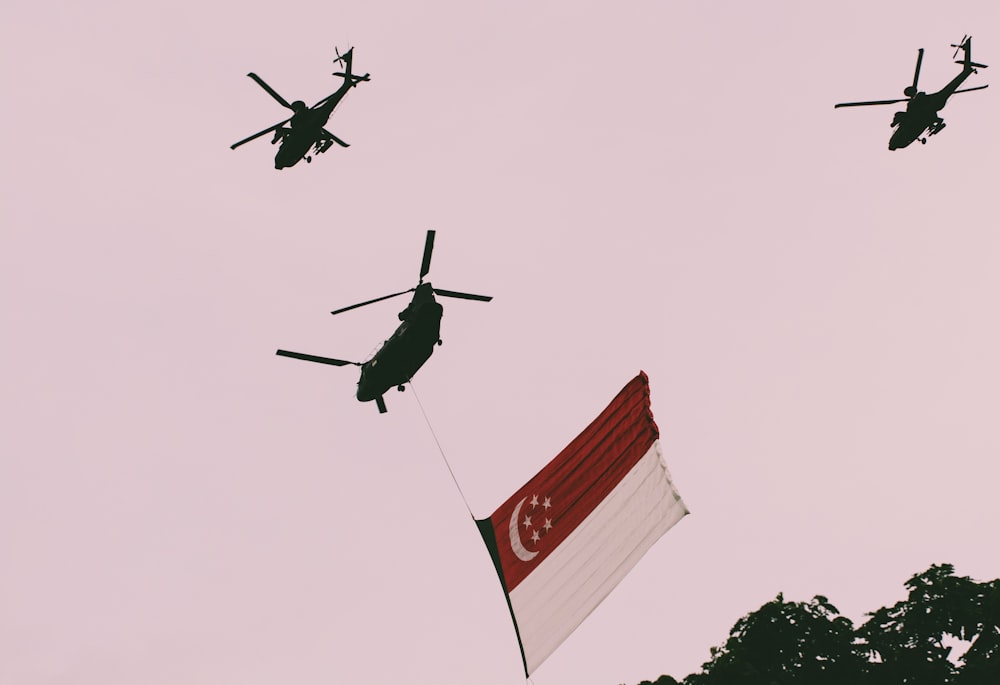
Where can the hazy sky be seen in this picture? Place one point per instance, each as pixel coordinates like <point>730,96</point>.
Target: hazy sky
<point>642,185</point>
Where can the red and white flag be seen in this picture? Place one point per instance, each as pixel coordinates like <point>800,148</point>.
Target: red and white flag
<point>563,541</point>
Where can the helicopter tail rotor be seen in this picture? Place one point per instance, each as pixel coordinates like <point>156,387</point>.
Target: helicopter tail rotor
<point>345,58</point>
<point>961,45</point>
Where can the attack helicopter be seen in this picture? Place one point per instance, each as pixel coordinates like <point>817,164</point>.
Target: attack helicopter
<point>307,128</point>
<point>921,113</point>
<point>406,350</point>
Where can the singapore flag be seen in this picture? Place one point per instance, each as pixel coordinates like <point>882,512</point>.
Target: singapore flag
<point>563,541</point>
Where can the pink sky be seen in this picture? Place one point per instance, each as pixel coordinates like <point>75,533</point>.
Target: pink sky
<point>654,185</point>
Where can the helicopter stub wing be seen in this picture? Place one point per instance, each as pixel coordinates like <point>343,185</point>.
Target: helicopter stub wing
<point>335,139</point>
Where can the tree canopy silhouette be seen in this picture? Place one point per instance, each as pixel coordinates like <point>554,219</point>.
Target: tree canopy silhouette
<point>910,643</point>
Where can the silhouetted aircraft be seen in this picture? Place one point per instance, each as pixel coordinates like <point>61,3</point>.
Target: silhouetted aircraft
<point>921,113</point>
<point>402,355</point>
<point>307,123</point>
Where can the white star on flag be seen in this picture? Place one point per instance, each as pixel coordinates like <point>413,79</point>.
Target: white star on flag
<point>622,501</point>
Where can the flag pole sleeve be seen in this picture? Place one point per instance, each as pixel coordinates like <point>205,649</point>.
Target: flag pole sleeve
<point>489,537</point>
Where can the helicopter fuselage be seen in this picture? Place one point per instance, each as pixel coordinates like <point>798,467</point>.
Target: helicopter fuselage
<point>921,113</point>
<point>919,116</point>
<point>406,350</point>
<point>307,130</point>
<point>293,149</point>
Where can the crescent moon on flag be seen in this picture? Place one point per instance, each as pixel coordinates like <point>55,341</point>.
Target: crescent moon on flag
<point>515,537</point>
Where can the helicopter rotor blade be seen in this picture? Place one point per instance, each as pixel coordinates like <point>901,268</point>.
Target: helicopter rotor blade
<point>259,134</point>
<point>916,72</point>
<point>870,102</point>
<point>462,296</point>
<point>966,90</point>
<point>377,299</point>
<point>270,91</point>
<point>425,264</point>
<point>314,358</point>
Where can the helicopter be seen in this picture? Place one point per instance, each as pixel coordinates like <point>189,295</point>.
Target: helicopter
<point>412,343</point>
<point>922,109</point>
<point>307,123</point>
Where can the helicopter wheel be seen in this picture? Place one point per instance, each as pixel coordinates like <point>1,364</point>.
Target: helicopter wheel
<point>440,342</point>
<point>309,160</point>
<point>923,141</point>
<point>401,388</point>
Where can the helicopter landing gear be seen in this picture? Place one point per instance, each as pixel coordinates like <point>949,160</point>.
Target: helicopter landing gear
<point>401,388</point>
<point>440,342</point>
<point>923,141</point>
<point>309,159</point>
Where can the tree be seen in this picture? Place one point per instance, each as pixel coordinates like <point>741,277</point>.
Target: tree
<point>785,643</point>
<point>810,643</point>
<point>904,643</point>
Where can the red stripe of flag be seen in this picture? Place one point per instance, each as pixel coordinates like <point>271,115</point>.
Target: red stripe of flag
<point>571,486</point>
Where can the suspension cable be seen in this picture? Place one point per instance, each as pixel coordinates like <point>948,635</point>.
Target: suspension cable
<point>441,450</point>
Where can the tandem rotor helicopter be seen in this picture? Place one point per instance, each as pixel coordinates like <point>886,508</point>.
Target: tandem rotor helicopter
<point>406,350</point>
<point>922,109</point>
<point>307,123</point>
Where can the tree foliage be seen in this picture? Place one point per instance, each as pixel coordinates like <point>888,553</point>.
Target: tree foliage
<point>909,643</point>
